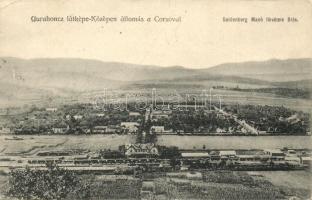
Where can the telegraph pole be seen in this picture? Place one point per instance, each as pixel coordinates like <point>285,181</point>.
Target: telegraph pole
<point>220,102</point>
<point>210,98</point>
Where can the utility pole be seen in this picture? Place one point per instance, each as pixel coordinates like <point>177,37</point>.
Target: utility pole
<point>210,98</point>
<point>105,99</point>
<point>220,102</point>
<point>126,106</point>
<point>154,97</point>
<point>204,100</point>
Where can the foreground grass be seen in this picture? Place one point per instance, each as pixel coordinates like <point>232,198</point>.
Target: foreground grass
<point>225,185</point>
<point>208,185</point>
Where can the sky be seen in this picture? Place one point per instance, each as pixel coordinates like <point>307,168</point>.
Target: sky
<point>200,40</point>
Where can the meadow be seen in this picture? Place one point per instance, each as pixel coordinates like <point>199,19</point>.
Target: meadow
<point>31,144</point>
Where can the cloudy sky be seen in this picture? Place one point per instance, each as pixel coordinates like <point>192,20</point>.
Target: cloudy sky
<point>201,39</point>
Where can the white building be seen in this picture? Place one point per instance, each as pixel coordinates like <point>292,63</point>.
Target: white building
<point>141,149</point>
<point>99,129</point>
<point>60,129</point>
<point>51,109</point>
<point>100,114</point>
<point>132,127</point>
<point>306,161</point>
<point>159,114</point>
<point>195,155</point>
<point>274,152</point>
<point>158,129</point>
<point>77,117</point>
<point>134,114</point>
<point>227,154</point>
<point>274,155</point>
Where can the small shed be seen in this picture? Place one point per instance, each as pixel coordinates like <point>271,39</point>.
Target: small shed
<point>195,155</point>
<point>227,153</point>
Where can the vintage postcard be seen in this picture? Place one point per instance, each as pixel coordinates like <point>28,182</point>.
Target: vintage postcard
<point>165,99</point>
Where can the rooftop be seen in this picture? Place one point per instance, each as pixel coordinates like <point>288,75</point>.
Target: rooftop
<point>227,153</point>
<point>195,154</point>
<point>273,150</point>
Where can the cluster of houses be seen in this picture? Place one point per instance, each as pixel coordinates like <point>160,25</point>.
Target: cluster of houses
<point>126,127</point>
<point>123,127</point>
<point>129,123</point>
<point>54,120</point>
<point>155,115</point>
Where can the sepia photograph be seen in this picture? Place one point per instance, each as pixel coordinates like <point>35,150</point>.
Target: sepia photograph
<point>155,100</point>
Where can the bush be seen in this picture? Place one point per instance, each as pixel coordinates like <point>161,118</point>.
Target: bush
<point>53,183</point>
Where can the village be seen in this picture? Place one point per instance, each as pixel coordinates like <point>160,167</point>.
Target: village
<point>168,118</point>
<point>136,168</point>
<point>146,125</point>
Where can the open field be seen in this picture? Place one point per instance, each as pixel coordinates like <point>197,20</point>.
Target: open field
<point>35,143</point>
<point>232,185</point>
<point>4,179</point>
<point>227,96</point>
<point>303,179</point>
<point>255,98</point>
<point>235,142</point>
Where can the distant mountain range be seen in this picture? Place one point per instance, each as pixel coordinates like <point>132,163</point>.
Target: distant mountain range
<point>270,70</point>
<point>24,79</point>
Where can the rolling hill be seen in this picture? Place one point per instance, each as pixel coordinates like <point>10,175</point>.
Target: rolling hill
<point>270,70</point>
<point>34,78</point>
